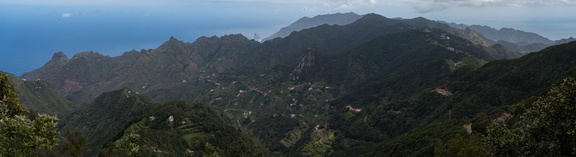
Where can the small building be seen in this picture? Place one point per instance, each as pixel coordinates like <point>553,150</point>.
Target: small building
<point>353,109</point>
<point>443,91</point>
<point>468,128</point>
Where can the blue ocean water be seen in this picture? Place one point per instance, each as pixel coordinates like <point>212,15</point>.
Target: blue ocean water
<point>30,35</point>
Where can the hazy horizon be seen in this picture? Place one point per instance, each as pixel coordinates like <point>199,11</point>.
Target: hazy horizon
<point>33,30</point>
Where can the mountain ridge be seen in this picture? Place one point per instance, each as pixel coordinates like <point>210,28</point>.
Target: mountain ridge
<point>307,22</point>
<point>513,39</point>
<point>388,71</point>
<point>171,128</point>
<point>38,96</point>
<point>477,97</point>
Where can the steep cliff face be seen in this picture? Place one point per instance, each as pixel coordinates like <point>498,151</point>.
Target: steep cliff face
<point>305,64</point>
<point>37,95</point>
<point>511,35</point>
<point>298,57</point>
<point>300,85</point>
<point>512,39</point>
<point>67,76</point>
<point>86,75</point>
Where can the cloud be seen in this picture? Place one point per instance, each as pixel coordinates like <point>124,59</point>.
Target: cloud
<point>96,2</point>
<point>315,5</point>
<point>66,15</point>
<point>357,4</point>
<point>312,5</point>
<point>340,5</point>
<point>267,1</point>
<point>424,6</point>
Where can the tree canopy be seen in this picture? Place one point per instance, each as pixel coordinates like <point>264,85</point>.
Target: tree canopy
<point>23,133</point>
<point>547,128</point>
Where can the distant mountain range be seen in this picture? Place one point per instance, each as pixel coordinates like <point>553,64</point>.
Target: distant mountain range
<point>86,75</point>
<point>374,86</point>
<point>307,22</point>
<point>506,34</point>
<point>40,96</point>
<point>512,39</point>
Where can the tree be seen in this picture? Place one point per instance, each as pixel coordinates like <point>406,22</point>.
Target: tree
<point>23,133</point>
<point>547,128</point>
<point>469,146</point>
<point>74,144</point>
<point>9,98</point>
<point>129,145</point>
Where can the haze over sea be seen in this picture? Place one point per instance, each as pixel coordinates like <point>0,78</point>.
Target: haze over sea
<point>32,30</point>
<point>31,35</point>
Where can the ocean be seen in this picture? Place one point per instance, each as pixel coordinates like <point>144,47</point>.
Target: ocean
<point>30,35</point>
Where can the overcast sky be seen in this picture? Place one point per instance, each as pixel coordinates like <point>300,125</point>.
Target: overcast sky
<point>32,30</point>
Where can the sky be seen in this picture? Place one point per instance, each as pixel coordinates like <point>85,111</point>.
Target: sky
<point>31,31</point>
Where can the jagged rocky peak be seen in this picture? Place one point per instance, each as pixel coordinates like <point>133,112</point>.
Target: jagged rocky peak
<point>205,38</point>
<point>256,37</point>
<point>136,52</point>
<point>374,19</point>
<point>171,41</point>
<point>567,40</point>
<point>145,50</point>
<point>132,53</point>
<point>59,55</point>
<point>206,41</point>
<point>87,54</point>
<point>225,37</point>
<point>58,58</point>
<point>234,36</point>
<point>218,41</point>
<point>234,39</point>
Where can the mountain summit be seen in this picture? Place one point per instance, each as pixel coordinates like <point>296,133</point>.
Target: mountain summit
<point>341,90</point>
<point>307,22</point>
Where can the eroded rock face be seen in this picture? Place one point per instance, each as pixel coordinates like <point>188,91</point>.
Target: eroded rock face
<point>87,74</point>
<point>70,85</point>
<point>306,61</point>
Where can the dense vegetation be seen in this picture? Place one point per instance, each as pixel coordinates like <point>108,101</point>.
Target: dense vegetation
<point>378,86</point>
<point>37,95</point>
<point>545,129</point>
<point>478,97</point>
<point>119,121</point>
<point>23,132</point>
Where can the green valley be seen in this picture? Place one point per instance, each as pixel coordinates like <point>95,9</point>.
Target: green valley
<point>373,87</point>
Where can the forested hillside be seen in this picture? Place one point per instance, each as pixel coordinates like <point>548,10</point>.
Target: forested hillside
<point>476,97</point>
<point>374,87</point>
<point>121,121</point>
